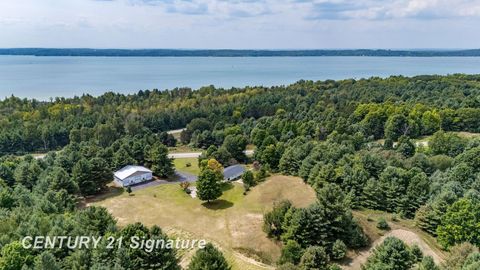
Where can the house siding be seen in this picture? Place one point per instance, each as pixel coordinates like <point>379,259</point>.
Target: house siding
<point>135,178</point>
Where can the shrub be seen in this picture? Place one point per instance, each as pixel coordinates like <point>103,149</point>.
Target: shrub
<point>315,257</point>
<point>416,253</point>
<point>184,186</point>
<point>428,264</point>
<point>339,250</point>
<point>291,253</point>
<point>382,224</point>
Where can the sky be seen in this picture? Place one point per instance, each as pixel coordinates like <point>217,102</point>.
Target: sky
<point>240,24</point>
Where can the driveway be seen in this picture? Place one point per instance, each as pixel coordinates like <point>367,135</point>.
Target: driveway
<point>185,155</point>
<point>179,177</point>
<point>197,154</point>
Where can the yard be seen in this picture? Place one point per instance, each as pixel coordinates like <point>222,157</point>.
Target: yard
<point>234,222</point>
<point>181,165</point>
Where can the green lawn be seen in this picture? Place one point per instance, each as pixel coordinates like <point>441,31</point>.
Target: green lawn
<point>181,165</point>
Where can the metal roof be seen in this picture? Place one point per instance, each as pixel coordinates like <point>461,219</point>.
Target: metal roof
<point>129,170</point>
<point>233,171</point>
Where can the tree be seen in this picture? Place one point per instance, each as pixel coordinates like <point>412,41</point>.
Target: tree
<point>291,253</point>
<point>273,221</point>
<point>392,254</point>
<point>405,146</point>
<point>208,185</point>
<point>57,178</point>
<point>339,250</point>
<point>248,179</point>
<point>396,126</point>
<point>235,145</point>
<point>460,224</point>
<point>46,261</point>
<point>446,143</point>
<point>428,264</point>
<point>122,158</point>
<point>27,173</point>
<point>382,224</point>
<point>416,253</point>
<point>458,255</point>
<point>82,176</point>
<point>208,258</point>
<point>431,122</point>
<point>322,223</point>
<point>14,256</point>
<point>158,160</point>
<point>91,176</point>
<point>314,258</point>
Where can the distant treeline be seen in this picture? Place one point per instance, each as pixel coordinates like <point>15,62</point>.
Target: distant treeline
<point>231,53</point>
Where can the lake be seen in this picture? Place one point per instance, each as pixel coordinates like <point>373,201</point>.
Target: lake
<point>45,77</point>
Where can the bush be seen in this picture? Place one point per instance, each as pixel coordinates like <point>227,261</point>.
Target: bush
<point>416,253</point>
<point>382,224</point>
<point>287,266</point>
<point>291,253</point>
<point>392,254</point>
<point>184,186</point>
<point>339,250</point>
<point>273,221</point>
<point>315,257</point>
<point>428,264</point>
<point>208,258</point>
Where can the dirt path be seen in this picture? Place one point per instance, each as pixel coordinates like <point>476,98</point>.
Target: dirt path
<point>252,261</point>
<point>409,237</point>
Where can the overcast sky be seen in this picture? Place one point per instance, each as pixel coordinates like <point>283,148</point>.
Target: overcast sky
<point>240,24</point>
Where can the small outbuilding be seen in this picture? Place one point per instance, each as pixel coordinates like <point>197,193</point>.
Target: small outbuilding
<point>233,172</point>
<point>131,175</point>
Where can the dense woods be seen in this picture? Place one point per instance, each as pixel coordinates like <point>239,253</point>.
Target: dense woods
<point>353,141</point>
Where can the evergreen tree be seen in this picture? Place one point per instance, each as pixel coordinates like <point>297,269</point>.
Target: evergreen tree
<point>158,160</point>
<point>314,258</point>
<point>208,258</point>
<point>392,254</point>
<point>122,158</point>
<point>46,261</point>
<point>291,253</point>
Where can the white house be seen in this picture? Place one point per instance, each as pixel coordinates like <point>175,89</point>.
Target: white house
<point>130,175</point>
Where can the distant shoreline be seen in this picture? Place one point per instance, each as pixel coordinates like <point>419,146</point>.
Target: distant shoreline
<point>234,53</point>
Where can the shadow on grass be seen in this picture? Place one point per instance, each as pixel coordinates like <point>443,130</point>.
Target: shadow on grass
<point>218,205</point>
<point>109,192</point>
<point>227,186</point>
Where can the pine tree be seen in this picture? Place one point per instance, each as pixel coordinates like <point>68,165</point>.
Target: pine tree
<point>208,258</point>
<point>157,158</point>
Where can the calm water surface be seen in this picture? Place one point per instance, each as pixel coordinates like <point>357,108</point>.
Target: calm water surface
<point>44,77</point>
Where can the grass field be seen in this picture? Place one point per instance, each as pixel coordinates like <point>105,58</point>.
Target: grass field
<point>234,222</point>
<point>181,165</point>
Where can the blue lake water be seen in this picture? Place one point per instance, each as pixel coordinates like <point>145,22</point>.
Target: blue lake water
<point>44,77</point>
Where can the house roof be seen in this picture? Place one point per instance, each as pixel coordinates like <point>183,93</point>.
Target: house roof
<point>129,170</point>
<point>233,171</point>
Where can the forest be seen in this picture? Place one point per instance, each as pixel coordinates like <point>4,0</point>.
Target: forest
<point>354,141</point>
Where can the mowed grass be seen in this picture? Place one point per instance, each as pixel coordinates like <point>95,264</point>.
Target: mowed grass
<point>181,165</point>
<point>234,222</point>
